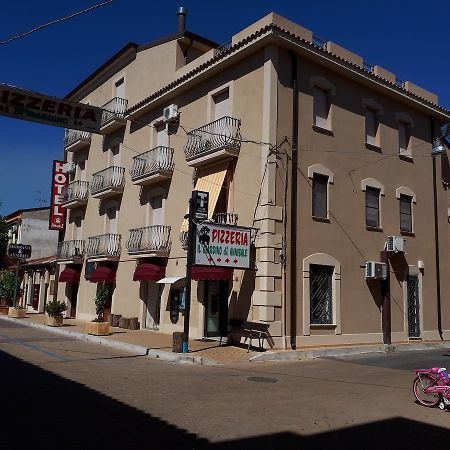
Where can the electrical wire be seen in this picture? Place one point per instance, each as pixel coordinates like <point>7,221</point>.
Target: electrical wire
<point>53,22</point>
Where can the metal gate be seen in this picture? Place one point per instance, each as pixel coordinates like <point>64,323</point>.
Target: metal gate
<point>413,307</point>
<point>321,294</point>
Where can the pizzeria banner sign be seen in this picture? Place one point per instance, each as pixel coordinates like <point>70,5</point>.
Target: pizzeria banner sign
<point>222,246</point>
<point>27,105</point>
<point>59,181</point>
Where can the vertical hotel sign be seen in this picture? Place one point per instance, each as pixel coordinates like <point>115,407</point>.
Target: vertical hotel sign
<point>57,212</point>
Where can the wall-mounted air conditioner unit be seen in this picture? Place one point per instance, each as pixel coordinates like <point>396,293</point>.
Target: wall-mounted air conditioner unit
<point>70,167</point>
<point>376,270</point>
<point>396,244</point>
<point>170,113</point>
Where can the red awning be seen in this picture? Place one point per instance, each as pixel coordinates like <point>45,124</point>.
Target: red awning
<point>149,272</point>
<point>103,274</point>
<point>69,275</point>
<point>211,273</point>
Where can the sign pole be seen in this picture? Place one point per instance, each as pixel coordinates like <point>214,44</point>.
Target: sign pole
<point>190,258</point>
<point>15,285</point>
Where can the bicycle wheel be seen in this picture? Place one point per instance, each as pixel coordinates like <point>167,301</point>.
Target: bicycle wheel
<point>419,387</point>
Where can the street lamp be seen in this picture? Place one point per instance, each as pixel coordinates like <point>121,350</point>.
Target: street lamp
<point>438,148</point>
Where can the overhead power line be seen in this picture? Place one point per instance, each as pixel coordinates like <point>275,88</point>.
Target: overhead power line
<point>53,22</point>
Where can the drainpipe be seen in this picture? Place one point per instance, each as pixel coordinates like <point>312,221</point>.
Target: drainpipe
<point>293,208</point>
<point>436,236</point>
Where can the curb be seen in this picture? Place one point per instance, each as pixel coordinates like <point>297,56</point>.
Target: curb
<point>125,346</point>
<point>306,355</point>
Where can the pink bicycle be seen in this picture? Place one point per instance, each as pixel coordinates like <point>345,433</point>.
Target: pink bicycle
<point>431,387</point>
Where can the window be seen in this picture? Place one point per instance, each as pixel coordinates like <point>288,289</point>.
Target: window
<point>372,207</point>
<point>371,127</point>
<point>321,108</point>
<point>403,138</point>
<point>406,213</point>
<point>162,137</point>
<point>115,155</point>
<point>321,294</point>
<point>221,105</point>
<point>319,196</point>
<point>119,88</point>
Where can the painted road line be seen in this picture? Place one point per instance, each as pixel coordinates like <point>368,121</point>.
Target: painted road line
<point>34,347</point>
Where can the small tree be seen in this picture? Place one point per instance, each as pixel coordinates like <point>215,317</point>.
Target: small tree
<point>3,240</point>
<point>101,300</point>
<point>7,285</point>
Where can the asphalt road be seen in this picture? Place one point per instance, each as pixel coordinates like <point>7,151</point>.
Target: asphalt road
<point>61,393</point>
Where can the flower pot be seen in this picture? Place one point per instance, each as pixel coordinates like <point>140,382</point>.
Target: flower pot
<point>17,313</point>
<point>4,310</point>
<point>97,328</point>
<point>54,321</point>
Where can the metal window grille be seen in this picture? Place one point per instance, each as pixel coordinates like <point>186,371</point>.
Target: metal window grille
<point>321,294</point>
<point>413,307</point>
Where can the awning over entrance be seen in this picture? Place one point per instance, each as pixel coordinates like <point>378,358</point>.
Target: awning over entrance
<point>103,274</point>
<point>69,275</point>
<point>148,272</point>
<point>170,280</point>
<point>200,273</point>
<point>210,180</point>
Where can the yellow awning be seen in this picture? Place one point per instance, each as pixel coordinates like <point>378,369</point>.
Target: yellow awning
<point>210,180</point>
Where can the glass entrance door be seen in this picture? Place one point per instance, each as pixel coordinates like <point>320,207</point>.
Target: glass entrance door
<point>153,305</point>
<point>216,308</point>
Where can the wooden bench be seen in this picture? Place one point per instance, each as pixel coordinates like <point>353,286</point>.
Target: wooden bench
<point>250,331</point>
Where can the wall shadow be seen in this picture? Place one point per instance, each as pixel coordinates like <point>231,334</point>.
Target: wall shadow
<point>40,409</point>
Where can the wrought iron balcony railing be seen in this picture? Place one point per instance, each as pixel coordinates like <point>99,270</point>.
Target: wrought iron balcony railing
<point>104,245</point>
<point>114,109</point>
<point>223,133</point>
<point>154,161</point>
<point>111,178</point>
<point>184,239</point>
<point>152,239</point>
<point>226,218</point>
<point>75,191</point>
<point>70,250</point>
<point>72,136</point>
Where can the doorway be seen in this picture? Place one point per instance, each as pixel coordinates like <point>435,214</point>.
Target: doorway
<point>413,306</point>
<point>216,308</point>
<point>73,299</point>
<point>152,305</point>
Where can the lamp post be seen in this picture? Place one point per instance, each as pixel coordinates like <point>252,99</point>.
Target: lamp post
<point>438,148</point>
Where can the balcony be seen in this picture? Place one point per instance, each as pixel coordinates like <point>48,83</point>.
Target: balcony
<point>152,166</point>
<point>75,139</point>
<point>105,247</point>
<point>75,194</point>
<point>113,115</point>
<point>108,182</point>
<point>71,252</point>
<point>149,241</point>
<point>215,141</point>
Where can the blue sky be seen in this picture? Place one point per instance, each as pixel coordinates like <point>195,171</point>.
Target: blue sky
<point>409,39</point>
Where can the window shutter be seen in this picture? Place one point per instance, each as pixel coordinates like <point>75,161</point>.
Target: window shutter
<point>319,198</point>
<point>321,108</point>
<point>371,127</point>
<point>403,138</point>
<point>405,213</point>
<point>372,207</point>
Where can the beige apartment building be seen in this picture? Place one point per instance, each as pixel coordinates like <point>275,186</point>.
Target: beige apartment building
<point>326,157</point>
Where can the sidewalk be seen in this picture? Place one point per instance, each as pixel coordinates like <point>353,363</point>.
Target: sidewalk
<point>208,351</point>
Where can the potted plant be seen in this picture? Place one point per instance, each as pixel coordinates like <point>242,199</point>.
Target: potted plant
<point>54,310</point>
<point>98,326</point>
<point>17,311</point>
<point>7,284</point>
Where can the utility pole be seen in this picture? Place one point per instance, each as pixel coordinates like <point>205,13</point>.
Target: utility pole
<point>190,260</point>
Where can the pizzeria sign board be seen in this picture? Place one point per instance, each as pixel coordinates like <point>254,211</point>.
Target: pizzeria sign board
<point>34,107</point>
<point>222,246</point>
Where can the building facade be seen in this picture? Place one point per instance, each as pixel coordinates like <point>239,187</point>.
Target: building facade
<point>324,155</point>
<point>30,227</point>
